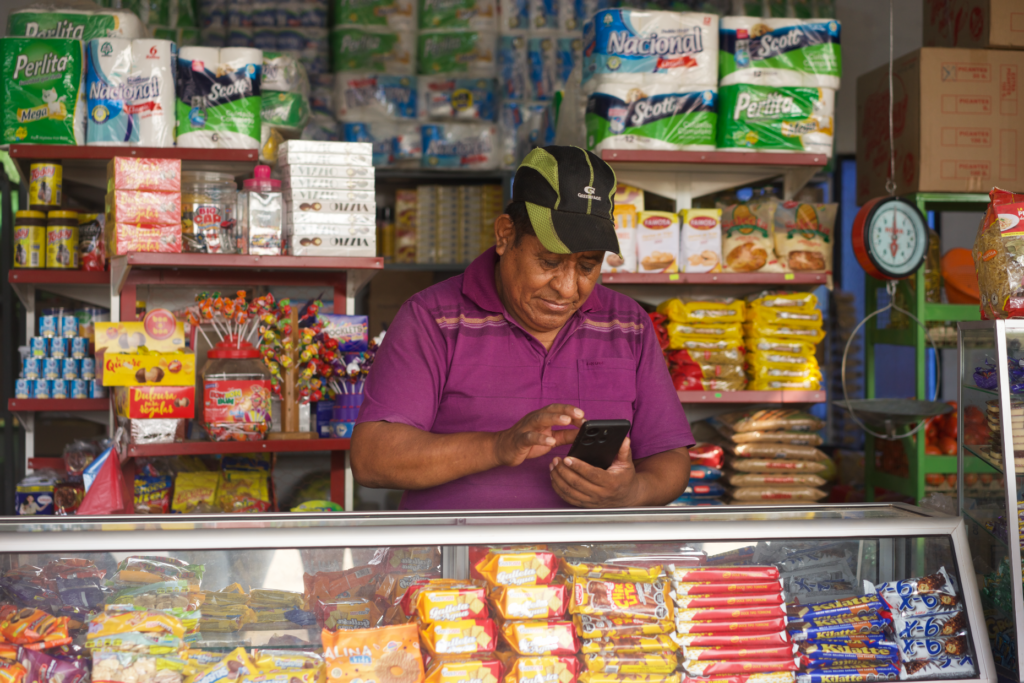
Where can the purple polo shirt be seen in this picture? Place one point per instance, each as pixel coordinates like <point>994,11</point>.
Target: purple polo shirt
<point>455,361</point>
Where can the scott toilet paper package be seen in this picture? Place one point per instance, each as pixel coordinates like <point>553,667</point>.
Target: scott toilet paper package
<point>472,15</point>
<point>464,99</point>
<point>371,97</point>
<point>780,52</point>
<point>394,15</point>
<point>656,116</point>
<point>680,47</point>
<point>391,52</point>
<point>460,145</point>
<point>219,97</point>
<point>42,88</point>
<point>765,119</point>
<point>45,21</point>
<point>471,53</point>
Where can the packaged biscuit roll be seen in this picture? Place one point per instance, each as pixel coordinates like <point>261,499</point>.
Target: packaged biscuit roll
<point>464,670</point>
<point>933,648</point>
<point>852,675</point>
<point>838,608</point>
<point>530,602</point>
<point>773,677</point>
<point>723,574</point>
<point>441,600</point>
<point>740,653</point>
<point>715,668</point>
<point>749,626</point>
<point>930,625</point>
<point>540,637</point>
<point>594,677</point>
<point>827,652</point>
<point>588,626</point>
<point>625,663</point>
<point>779,637</point>
<point>714,588</point>
<point>683,602</point>
<point>611,572</point>
<point>860,627</point>
<point>732,613</point>
<point>925,595</point>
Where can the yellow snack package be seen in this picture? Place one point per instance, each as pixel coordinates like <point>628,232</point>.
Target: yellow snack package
<point>589,626</point>
<point>518,569</point>
<point>231,667</point>
<point>266,597</point>
<point>545,669</point>
<point>463,637</point>
<point>780,371</point>
<point>346,613</point>
<point>624,663</point>
<point>316,675</point>
<point>468,670</point>
<point>777,359</point>
<point>612,572</point>
<point>595,677</point>
<point>710,330</point>
<point>630,644</point>
<point>390,654</point>
<point>621,599</point>
<point>282,660</point>
<point>243,492</point>
<point>784,331</point>
<point>718,311</point>
<point>778,316</point>
<point>448,601</point>
<point>114,623</point>
<point>540,637</point>
<point>790,301</point>
<point>530,602</point>
<point>232,595</point>
<point>785,385</point>
<point>674,310</point>
<point>195,492</point>
<point>777,345</point>
<point>699,344</point>
<point>393,586</point>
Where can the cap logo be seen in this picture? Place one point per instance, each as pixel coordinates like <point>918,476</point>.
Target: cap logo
<point>589,194</point>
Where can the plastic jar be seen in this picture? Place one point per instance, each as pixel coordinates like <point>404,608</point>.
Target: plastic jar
<point>236,393</point>
<point>208,223</point>
<point>62,240</point>
<point>29,239</point>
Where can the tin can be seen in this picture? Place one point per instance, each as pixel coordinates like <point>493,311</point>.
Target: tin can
<point>97,390</point>
<point>79,388</point>
<point>38,347</point>
<point>59,388</point>
<point>67,326</point>
<point>79,347</point>
<point>29,239</point>
<point>48,326</point>
<point>50,368</point>
<point>62,240</point>
<point>45,185</point>
<point>42,389</point>
<point>88,370</point>
<point>69,369</point>
<point>58,348</point>
<point>24,388</point>
<point>30,368</point>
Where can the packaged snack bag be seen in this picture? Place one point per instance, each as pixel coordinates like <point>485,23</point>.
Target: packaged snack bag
<point>445,600</point>
<point>621,599</point>
<point>588,626</point>
<point>611,572</point>
<point>804,235</point>
<point>548,669</point>
<point>386,655</point>
<point>999,256</point>
<point>518,569</point>
<point>540,637</point>
<point>530,602</point>
<point>463,637</point>
<point>469,670</point>
<point>747,238</point>
<point>195,492</point>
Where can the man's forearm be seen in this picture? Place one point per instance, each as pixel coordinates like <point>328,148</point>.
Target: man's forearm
<point>661,478</point>
<point>397,456</point>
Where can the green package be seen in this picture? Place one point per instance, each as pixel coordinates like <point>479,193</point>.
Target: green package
<point>662,117</point>
<point>353,49</point>
<point>456,14</point>
<point>394,14</point>
<point>468,52</point>
<point>63,25</point>
<point>764,118</point>
<point>42,87</point>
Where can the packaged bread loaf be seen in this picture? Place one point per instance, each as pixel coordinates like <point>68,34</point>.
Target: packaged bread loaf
<point>999,256</point>
<point>776,492</point>
<point>778,450</point>
<point>778,418</point>
<point>747,238</point>
<point>803,235</point>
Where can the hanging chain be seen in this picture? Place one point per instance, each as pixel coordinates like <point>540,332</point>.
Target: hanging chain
<point>890,182</point>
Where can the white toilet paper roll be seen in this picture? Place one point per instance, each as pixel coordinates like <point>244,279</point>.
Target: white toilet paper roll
<point>209,57</point>
<point>238,57</point>
<point>108,86</point>
<point>126,23</point>
<point>153,103</point>
<point>651,116</point>
<point>780,52</point>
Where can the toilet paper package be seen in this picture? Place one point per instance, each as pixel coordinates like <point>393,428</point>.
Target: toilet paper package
<point>470,53</point>
<point>46,20</point>
<point>239,13</point>
<point>569,53</point>
<point>386,52</point>
<point>215,36</point>
<point>513,67</point>
<point>513,16</point>
<point>761,118</point>
<point>394,142</point>
<point>154,104</point>
<point>681,47</point>
<point>780,52</point>
<point>264,14</point>
<point>651,116</point>
<point>571,16</point>
<point>471,15</point>
<point>284,93</point>
<point>42,87</point>
<point>542,56</point>
<point>240,36</point>
<point>294,13</point>
<point>543,15</point>
<point>218,98</point>
<point>521,127</point>
<point>108,92</point>
<point>460,145</point>
<point>264,38</point>
<point>360,96</point>
<point>464,99</point>
<point>394,15</point>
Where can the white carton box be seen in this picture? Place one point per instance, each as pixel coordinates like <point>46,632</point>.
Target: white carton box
<point>657,242</point>
<point>300,196</point>
<point>295,219</point>
<point>356,175</point>
<point>625,231</point>
<point>700,246</point>
<point>334,245</point>
<point>306,158</point>
<point>324,147</point>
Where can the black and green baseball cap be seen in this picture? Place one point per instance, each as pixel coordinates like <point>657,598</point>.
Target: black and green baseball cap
<point>569,195</point>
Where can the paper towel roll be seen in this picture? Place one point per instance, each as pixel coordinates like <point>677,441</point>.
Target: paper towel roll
<point>780,52</point>
<point>683,45</point>
<point>108,85</point>
<point>153,100</point>
<point>460,145</point>
<point>766,119</point>
<point>651,116</point>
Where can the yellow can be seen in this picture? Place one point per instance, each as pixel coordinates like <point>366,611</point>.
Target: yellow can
<point>29,239</point>
<point>45,185</point>
<point>62,240</point>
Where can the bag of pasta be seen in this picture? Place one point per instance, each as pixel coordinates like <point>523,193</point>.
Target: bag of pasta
<point>789,301</point>
<point>757,345</point>
<point>776,316</point>
<point>706,310</point>
<point>999,256</point>
<point>711,330</point>
<point>698,343</point>
<point>803,235</point>
<point>787,330</point>
<point>747,244</point>
<point>687,357</point>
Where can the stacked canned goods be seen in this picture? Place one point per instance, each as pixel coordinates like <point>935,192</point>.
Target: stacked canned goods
<point>59,363</point>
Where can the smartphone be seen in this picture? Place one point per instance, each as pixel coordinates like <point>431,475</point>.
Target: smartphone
<point>598,442</point>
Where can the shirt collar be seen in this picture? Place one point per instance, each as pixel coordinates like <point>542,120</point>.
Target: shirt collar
<point>478,286</point>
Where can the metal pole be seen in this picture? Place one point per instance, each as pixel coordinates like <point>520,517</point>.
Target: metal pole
<point>8,342</point>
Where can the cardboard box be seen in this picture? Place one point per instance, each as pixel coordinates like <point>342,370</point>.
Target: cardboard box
<point>160,331</point>
<point>143,208</point>
<point>657,242</point>
<point>137,369</point>
<point>959,123</point>
<point>700,244</point>
<point>154,175</point>
<point>973,23</point>
<point>126,237</point>
<point>155,402</point>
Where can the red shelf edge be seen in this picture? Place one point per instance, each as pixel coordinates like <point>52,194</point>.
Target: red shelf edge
<point>28,151</point>
<point>52,405</point>
<point>220,447</point>
<point>58,277</point>
<point>718,157</point>
<point>46,464</point>
<point>154,260</point>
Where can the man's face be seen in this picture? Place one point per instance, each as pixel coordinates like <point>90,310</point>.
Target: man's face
<point>541,289</point>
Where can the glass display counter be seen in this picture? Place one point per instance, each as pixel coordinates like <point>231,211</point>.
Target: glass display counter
<point>694,578</point>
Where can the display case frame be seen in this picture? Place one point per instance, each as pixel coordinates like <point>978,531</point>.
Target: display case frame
<point>1002,333</point>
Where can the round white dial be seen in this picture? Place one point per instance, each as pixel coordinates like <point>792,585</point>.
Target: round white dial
<point>897,238</point>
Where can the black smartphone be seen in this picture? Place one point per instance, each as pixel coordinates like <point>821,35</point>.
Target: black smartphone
<point>598,442</point>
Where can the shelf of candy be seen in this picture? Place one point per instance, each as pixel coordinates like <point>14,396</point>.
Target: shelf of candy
<point>781,331</point>
<point>705,487</point>
<point>703,343</point>
<point>60,364</point>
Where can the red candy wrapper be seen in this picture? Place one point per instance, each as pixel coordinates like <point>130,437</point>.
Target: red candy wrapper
<point>774,677</point>
<point>144,208</point>
<point>713,588</point>
<point>146,175</point>
<point>723,574</point>
<point>717,668</point>
<point>707,454</point>
<point>720,640</point>
<point>717,653</point>
<point>125,237</point>
<point>753,626</point>
<point>711,601</point>
<point>732,614</point>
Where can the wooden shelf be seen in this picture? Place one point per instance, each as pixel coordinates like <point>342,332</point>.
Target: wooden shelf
<point>220,447</point>
<point>768,279</point>
<point>63,405</point>
<point>751,396</point>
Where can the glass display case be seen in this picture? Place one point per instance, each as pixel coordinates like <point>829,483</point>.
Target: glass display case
<point>991,424</point>
<point>902,599</point>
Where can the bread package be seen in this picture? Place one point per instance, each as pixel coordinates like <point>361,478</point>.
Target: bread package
<point>999,256</point>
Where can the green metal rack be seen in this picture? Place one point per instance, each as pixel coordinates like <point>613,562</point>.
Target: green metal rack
<point>919,464</point>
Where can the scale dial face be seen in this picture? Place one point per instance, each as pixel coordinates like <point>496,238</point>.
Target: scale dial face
<point>892,236</point>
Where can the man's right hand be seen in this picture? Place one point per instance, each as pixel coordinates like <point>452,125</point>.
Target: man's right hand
<point>534,436</point>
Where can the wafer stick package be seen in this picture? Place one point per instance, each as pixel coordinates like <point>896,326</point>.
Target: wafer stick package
<point>611,572</point>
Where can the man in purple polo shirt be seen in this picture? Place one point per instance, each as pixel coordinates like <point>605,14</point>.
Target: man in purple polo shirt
<point>484,380</point>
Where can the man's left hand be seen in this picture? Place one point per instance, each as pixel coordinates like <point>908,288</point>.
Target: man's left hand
<point>586,486</point>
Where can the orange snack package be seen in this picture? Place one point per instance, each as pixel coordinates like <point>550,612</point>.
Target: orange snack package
<point>611,572</point>
<point>468,670</point>
<point>463,637</point>
<point>540,637</point>
<point>530,602</point>
<point>347,613</point>
<point>544,669</point>
<point>624,663</point>
<point>621,599</point>
<point>11,672</point>
<point>378,655</point>
<point>34,629</point>
<point>518,569</point>
<point>446,600</point>
<point>349,583</point>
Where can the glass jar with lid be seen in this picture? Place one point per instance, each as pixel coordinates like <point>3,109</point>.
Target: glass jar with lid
<point>208,201</point>
<point>235,392</point>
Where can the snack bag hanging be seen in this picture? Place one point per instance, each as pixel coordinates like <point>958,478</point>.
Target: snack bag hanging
<point>999,256</point>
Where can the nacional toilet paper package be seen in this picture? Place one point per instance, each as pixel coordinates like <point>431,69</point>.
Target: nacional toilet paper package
<point>219,99</point>
<point>390,52</point>
<point>46,21</point>
<point>463,99</point>
<point>154,72</point>
<point>460,145</point>
<point>651,116</point>
<point>680,47</point>
<point>513,67</point>
<point>471,15</point>
<point>394,142</point>
<point>108,96</point>
<point>470,53</point>
<point>780,52</point>
<point>360,96</point>
<point>394,15</point>
<point>760,118</point>
<point>542,56</point>
<point>42,87</point>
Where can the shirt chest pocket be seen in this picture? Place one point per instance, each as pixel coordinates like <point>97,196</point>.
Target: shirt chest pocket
<point>607,388</point>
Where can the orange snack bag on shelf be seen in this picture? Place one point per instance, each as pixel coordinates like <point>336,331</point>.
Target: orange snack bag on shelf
<point>463,637</point>
<point>446,600</point>
<point>355,582</point>
<point>35,629</point>
<point>382,655</point>
<point>543,669</point>
<point>530,602</point>
<point>540,637</point>
<point>518,569</point>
